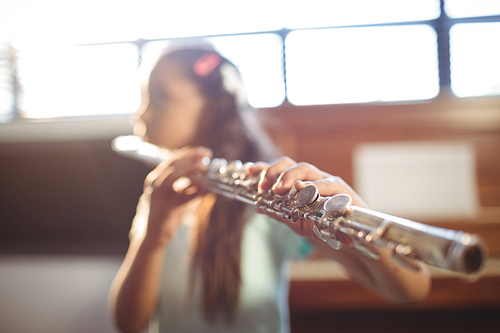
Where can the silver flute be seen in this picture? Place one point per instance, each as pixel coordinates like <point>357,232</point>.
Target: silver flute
<point>335,220</point>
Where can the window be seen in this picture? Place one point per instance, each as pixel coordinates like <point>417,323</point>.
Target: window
<point>352,65</point>
<point>186,18</point>
<point>475,54</point>
<point>471,8</point>
<point>81,58</point>
<point>79,80</point>
<point>259,59</point>
<point>299,14</point>
<point>6,98</point>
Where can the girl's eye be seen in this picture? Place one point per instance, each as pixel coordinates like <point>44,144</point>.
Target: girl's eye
<point>158,99</point>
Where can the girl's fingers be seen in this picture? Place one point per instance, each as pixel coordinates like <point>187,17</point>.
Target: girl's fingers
<point>256,168</point>
<point>331,186</point>
<point>326,186</point>
<point>271,175</point>
<point>297,172</point>
<point>192,155</point>
<point>185,164</point>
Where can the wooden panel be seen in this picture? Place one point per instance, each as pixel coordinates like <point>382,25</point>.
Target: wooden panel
<point>346,295</point>
<point>326,136</point>
<point>67,197</point>
<point>481,319</point>
<point>454,305</point>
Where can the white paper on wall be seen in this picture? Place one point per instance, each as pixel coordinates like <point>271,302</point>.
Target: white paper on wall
<point>421,179</point>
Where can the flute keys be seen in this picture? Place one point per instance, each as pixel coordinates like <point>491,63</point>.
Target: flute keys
<point>334,244</point>
<point>327,237</point>
<point>366,250</point>
<point>338,205</point>
<point>318,233</point>
<point>307,196</point>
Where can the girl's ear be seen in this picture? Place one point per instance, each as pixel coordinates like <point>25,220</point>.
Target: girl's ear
<point>226,103</point>
<point>207,122</point>
<point>220,110</point>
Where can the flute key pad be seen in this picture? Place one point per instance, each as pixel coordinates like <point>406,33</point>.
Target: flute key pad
<point>307,196</point>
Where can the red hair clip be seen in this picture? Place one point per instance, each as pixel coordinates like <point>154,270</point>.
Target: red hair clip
<point>207,63</point>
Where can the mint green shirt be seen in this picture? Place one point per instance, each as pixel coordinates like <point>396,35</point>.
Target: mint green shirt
<point>267,248</point>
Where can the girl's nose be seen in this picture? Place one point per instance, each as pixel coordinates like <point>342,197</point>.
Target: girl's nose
<point>140,119</point>
<point>144,113</point>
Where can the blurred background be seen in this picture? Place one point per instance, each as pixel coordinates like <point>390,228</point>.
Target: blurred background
<point>404,93</point>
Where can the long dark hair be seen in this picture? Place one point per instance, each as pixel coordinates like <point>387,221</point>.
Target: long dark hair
<point>232,132</point>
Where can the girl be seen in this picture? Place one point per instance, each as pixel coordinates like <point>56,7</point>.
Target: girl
<point>198,262</point>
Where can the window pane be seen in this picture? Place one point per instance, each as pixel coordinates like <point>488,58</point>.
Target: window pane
<point>259,59</point>
<point>472,8</point>
<point>329,13</point>
<point>161,19</point>
<point>352,65</point>
<point>86,80</point>
<point>474,54</point>
<point>94,21</point>
<point>6,98</point>
<point>34,22</point>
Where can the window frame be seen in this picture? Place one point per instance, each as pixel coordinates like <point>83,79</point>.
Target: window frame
<point>442,25</point>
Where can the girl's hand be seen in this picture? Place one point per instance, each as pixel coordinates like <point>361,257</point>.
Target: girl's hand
<point>169,190</point>
<point>285,173</point>
<point>383,276</point>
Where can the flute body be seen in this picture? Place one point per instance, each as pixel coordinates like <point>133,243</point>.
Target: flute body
<point>334,219</point>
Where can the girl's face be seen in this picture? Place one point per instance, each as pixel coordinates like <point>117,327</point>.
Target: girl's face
<point>171,110</point>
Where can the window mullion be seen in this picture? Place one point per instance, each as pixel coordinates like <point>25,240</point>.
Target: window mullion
<point>442,26</point>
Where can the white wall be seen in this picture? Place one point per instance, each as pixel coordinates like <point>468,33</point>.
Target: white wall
<point>55,293</point>
<point>66,129</point>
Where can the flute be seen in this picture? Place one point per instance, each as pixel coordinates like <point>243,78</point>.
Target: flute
<point>334,219</point>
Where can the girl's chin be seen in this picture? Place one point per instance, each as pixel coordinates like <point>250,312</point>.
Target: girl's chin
<point>151,139</point>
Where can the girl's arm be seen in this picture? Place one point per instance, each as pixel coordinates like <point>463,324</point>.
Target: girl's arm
<point>135,290</point>
<point>384,276</point>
